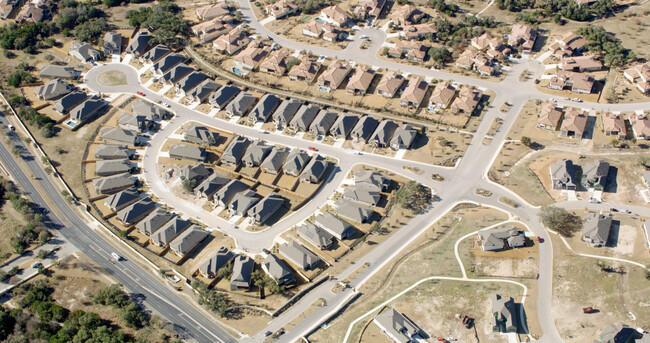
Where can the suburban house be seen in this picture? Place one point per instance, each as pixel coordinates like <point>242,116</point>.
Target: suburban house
<point>241,273</point>
<point>441,96</point>
<point>276,63</point>
<point>265,208</point>
<point>466,101</point>
<point>299,255</point>
<point>216,261</point>
<point>54,72</point>
<point>273,162</point>
<point>364,129</point>
<point>148,110</point>
<point>212,11</point>
<point>568,44</point>
<point>360,81</point>
<point>69,101</point>
<point>575,82</point>
<point>492,45</point>
<point>32,13</point>
<point>476,60</point>
<point>614,125</point>
<point>372,179</point>
<point>316,236</point>
<point>111,151</point>
<point>210,186</point>
<point>202,92</point>
<point>581,64</point>
<point>304,117</point>
<point>84,52</point>
<point>504,316</point>
<point>281,9</point>
<point>212,29</point>
<point>118,136</point>
<point>414,93</point>
<point>500,238</point>
<point>398,327</point>
<point>522,37</point>
<point>154,221</point>
<point>418,31</point>
<point>639,76</point>
<point>221,97</point>
<point>231,42</point>
<point>264,109</point>
<point>367,9</point>
<point>176,74</point>
<point>323,122</point>
<point>314,170</point>
<point>640,126</point>
<point>166,64</point>
<point>336,226</point>
<point>139,44</point>
<point>334,75</point>
<point>189,82</point>
<point>131,122</point>
<point>112,43</point>
<point>351,211</point>
<point>336,16</point>
<point>197,172</point>
<point>285,111</point>
<point>406,15</point>
<point>390,84</point>
<point>362,194</point>
<point>250,58</point>
<point>187,152</point>
<point>594,175</point>
<point>343,126</point>
<point>53,90</point>
<point>169,231</point>
<point>296,162</point>
<point>135,212</point>
<point>112,167</point>
<point>382,135</point>
<point>235,151</point>
<point>87,109</point>
<point>549,117</point>
<point>563,174</point>
<point>403,137</point>
<point>574,123</point>
<point>595,229</point>
<point>155,54</point>
<point>226,193</point>
<point>622,333</point>
<point>278,270</point>
<point>114,183</point>
<point>317,26</point>
<point>122,199</point>
<point>255,153</point>
<point>306,70</point>
<point>240,106</point>
<point>187,240</point>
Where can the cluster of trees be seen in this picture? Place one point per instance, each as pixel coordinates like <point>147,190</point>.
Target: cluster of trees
<point>443,7</point>
<point>311,6</point>
<point>455,34</point>
<point>73,14</point>
<point>130,312</point>
<point>24,37</point>
<point>20,77</point>
<point>607,46</point>
<point>164,20</point>
<point>560,220</point>
<point>29,114</point>
<point>566,8</point>
<point>214,301</point>
<point>263,281</point>
<point>440,55</point>
<point>39,319</point>
<point>413,195</point>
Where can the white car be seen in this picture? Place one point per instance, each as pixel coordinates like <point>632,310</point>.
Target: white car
<point>116,256</point>
<point>357,152</point>
<point>165,104</point>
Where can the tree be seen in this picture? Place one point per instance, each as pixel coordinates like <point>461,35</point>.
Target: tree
<point>414,196</point>
<point>189,185</point>
<point>42,254</point>
<point>525,140</point>
<point>559,220</point>
<point>440,55</point>
<point>615,142</point>
<point>292,62</point>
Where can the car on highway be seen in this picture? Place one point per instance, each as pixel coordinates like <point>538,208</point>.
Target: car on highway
<point>312,148</point>
<point>116,256</point>
<point>11,127</point>
<point>37,265</point>
<point>140,93</point>
<point>263,132</point>
<point>613,209</point>
<point>165,104</point>
<point>268,333</point>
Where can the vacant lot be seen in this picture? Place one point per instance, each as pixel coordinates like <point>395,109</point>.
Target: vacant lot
<point>439,147</point>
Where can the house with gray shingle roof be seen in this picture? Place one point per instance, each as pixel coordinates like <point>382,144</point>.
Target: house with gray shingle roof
<point>273,162</point>
<point>299,255</point>
<point>364,129</point>
<point>200,135</point>
<point>622,333</point>
<point>84,52</point>
<point>264,109</point>
<point>278,270</point>
<point>363,194</point>
<point>242,202</point>
<point>202,92</point>
<point>594,175</point>
<point>148,110</point>
<point>563,174</point>
<point>500,238</point>
<point>504,315</point>
<point>216,261</point>
<point>154,221</point>
<point>343,126</point>
<point>136,211</point>
<point>122,199</point>
<point>139,44</point>
<point>303,118</point>
<point>398,327</point>
<point>296,162</point>
<point>285,111</point>
<point>112,43</point>
<point>210,186</point>
<point>315,235</point>
<point>322,123</point>
<point>118,136</point>
<point>187,241</point>
<point>87,109</point>
<point>130,122</point>
<point>595,230</point>
<point>166,64</point>
<point>349,210</point>
<point>382,135</point>
<point>112,167</point>
<point>176,74</point>
<point>113,152</point>
<point>228,191</point>
<point>187,152</point>
<point>52,72</point>
<point>169,231</point>
<point>189,82</point>
<point>196,172</point>
<point>113,183</point>
<point>240,106</point>
<point>372,179</point>
<point>235,151</point>
<point>220,98</point>
<point>336,226</point>
<point>53,90</point>
<point>70,101</point>
<point>255,153</point>
<point>155,54</point>
<point>241,273</point>
<point>264,209</point>
<point>314,170</point>
<point>403,137</point>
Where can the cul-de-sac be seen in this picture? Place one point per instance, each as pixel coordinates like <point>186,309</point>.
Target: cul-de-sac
<point>326,171</point>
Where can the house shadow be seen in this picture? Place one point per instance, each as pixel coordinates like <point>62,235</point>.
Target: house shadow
<point>540,42</point>
<point>422,333</point>
<point>197,249</point>
<point>614,231</point>
<point>589,127</point>
<point>612,185</point>
<point>523,320</point>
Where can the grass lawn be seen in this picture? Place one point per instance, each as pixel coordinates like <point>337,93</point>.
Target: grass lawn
<point>10,222</point>
<point>112,78</point>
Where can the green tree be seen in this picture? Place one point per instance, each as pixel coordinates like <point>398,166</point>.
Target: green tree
<point>414,196</point>
<point>560,220</point>
<point>525,140</point>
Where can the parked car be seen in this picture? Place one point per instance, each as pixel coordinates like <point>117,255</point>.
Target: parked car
<point>140,93</point>
<point>312,148</point>
<point>613,209</point>
<point>589,310</point>
<point>540,239</point>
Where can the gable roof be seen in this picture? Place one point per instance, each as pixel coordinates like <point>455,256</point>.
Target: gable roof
<point>264,108</point>
<point>136,211</point>
<point>241,104</point>
<point>299,255</point>
<point>52,71</point>
<point>562,173</point>
<point>285,111</point>
<point>235,150</point>
<point>241,272</point>
<point>296,162</point>
<point>139,43</point>
<point>211,185</point>
<point>112,151</point>
<point>362,193</point>
<point>113,183</point>
<point>364,128</point>
<point>243,201</point>
<point>216,261</point>
<point>171,229</point>
<point>266,207</point>
<point>228,191</point>
<point>53,89</point>
<point>112,167</point>
<point>117,135</point>
<point>177,73</point>
<point>397,326</point>
<point>87,109</point>
<point>255,153</point>
<point>277,269</point>
<point>185,151</point>
<point>323,122</point>
<point>274,161</point>
<point>349,210</point>
<point>314,170</point>
<point>596,228</point>
<point>223,96</point>
<point>403,137</point>
<point>203,90</point>
<point>187,240</point>
<point>315,235</point>
<point>334,225</point>
<point>384,132</point>
<point>371,179</point>
<point>168,62</point>
<point>154,221</point>
<point>122,199</point>
<point>83,51</point>
<point>190,81</point>
<point>199,134</point>
<point>155,54</point>
<point>305,115</point>
<point>343,125</point>
<point>70,101</point>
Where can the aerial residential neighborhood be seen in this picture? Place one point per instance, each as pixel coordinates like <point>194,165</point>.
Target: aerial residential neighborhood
<point>324,171</point>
